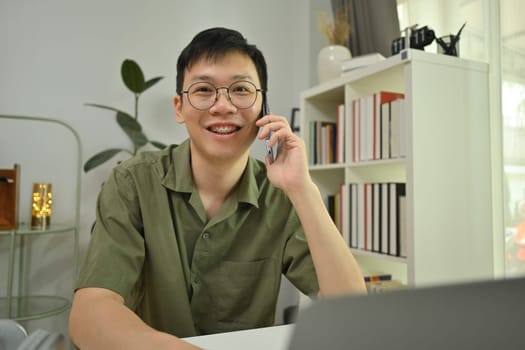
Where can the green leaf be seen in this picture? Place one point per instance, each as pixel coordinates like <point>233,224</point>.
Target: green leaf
<point>157,144</point>
<point>132,76</point>
<point>137,137</point>
<point>152,82</point>
<point>127,122</point>
<point>132,128</point>
<point>105,107</point>
<point>100,158</point>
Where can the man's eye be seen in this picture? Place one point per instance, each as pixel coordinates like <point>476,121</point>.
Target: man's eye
<point>239,89</point>
<point>202,90</point>
<point>242,89</point>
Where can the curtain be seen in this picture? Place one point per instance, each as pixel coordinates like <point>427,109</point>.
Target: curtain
<point>373,25</point>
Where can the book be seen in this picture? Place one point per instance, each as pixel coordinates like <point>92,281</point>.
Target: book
<point>368,216</point>
<point>361,216</point>
<point>376,127</point>
<point>355,130</point>
<point>369,127</point>
<point>402,223</point>
<point>363,128</point>
<point>378,277</point>
<point>384,112</point>
<point>397,190</point>
<point>377,287</point>
<point>361,61</point>
<point>385,219</point>
<point>340,134</point>
<point>395,126</point>
<point>393,237</point>
<point>354,218</point>
<point>376,220</point>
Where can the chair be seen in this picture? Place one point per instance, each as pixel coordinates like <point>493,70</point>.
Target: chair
<point>12,334</point>
<point>14,337</point>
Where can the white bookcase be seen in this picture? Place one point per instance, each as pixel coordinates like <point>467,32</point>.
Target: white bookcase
<point>446,168</point>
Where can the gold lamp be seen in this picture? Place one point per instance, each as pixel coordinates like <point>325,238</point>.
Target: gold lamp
<point>41,205</point>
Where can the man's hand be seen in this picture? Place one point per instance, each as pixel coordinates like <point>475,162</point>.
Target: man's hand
<point>289,171</point>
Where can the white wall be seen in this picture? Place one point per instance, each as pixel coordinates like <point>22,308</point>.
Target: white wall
<point>56,55</point>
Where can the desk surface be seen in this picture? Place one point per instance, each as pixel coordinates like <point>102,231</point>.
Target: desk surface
<point>274,338</point>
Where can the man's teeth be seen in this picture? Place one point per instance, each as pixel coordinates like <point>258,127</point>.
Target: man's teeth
<point>223,129</point>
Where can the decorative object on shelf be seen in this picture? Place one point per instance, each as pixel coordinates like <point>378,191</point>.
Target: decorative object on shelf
<point>330,61</point>
<point>361,61</point>
<point>448,44</point>
<point>331,57</point>
<point>415,38</point>
<point>9,187</point>
<point>133,78</point>
<point>41,203</point>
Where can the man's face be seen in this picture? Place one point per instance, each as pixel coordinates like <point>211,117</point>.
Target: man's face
<point>223,131</point>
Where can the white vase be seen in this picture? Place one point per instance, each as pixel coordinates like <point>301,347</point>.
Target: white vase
<point>329,61</point>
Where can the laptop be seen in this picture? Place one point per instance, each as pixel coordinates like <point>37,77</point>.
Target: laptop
<point>478,315</point>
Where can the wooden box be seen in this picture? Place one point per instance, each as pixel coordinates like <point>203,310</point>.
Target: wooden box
<point>9,186</point>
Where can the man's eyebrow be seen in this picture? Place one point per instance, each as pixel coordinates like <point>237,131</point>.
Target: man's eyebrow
<point>201,78</point>
<point>208,78</point>
<point>242,77</point>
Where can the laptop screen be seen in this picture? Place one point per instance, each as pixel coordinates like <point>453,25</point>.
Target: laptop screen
<point>476,315</point>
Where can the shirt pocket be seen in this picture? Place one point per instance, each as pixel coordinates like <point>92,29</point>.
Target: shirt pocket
<point>245,294</point>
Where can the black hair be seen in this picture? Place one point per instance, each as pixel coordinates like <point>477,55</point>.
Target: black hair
<point>215,43</point>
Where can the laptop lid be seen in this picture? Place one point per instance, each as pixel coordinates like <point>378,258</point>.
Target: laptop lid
<point>477,315</point>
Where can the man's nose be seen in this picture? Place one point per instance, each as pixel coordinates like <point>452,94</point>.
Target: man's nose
<point>225,100</point>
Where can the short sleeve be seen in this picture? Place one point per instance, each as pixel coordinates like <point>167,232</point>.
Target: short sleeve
<point>115,254</point>
<point>298,266</point>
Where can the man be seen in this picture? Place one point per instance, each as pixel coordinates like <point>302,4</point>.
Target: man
<point>193,239</point>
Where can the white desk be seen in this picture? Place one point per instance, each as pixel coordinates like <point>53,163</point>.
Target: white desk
<point>274,338</point>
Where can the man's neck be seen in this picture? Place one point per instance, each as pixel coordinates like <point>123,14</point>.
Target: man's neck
<point>215,179</point>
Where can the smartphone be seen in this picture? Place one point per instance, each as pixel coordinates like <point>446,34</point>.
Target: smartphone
<point>265,111</point>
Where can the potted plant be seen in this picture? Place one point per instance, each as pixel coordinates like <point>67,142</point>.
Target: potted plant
<point>133,78</point>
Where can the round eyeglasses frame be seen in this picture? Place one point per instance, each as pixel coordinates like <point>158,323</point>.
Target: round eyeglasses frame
<point>227,88</point>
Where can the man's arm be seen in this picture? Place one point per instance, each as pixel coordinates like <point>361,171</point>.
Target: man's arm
<point>336,269</point>
<point>100,320</point>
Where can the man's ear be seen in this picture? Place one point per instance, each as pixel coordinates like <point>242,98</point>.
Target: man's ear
<point>177,103</point>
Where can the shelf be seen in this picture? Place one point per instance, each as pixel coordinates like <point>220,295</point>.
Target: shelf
<point>33,307</point>
<point>379,162</point>
<point>27,230</point>
<point>399,259</point>
<point>371,163</point>
<point>320,167</point>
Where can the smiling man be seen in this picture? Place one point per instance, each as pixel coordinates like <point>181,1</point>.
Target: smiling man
<point>194,239</point>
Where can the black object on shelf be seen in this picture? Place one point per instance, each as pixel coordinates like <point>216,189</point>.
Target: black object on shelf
<point>419,38</point>
<point>448,44</point>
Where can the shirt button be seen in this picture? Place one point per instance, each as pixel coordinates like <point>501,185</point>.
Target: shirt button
<point>205,235</point>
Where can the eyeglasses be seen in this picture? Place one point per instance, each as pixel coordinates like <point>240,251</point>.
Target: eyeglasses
<point>203,95</point>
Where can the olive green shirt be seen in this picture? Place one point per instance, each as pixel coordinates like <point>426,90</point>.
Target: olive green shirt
<point>182,273</point>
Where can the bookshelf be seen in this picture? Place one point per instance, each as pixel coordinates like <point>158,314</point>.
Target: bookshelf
<point>445,166</point>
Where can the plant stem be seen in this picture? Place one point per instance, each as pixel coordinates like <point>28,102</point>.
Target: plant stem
<point>136,116</point>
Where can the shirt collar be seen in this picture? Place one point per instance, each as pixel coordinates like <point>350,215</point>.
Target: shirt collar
<point>179,178</point>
